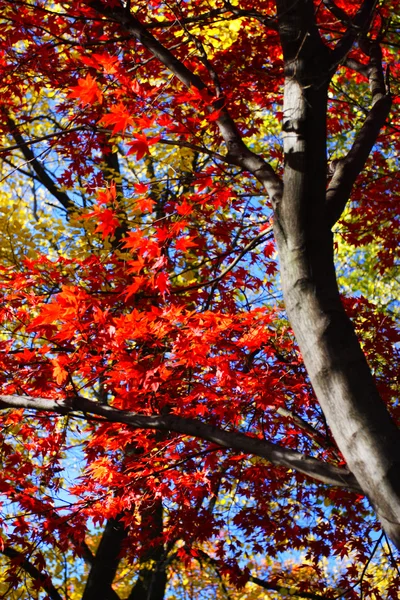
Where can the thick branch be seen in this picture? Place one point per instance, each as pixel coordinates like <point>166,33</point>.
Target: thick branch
<point>105,563</point>
<point>86,553</point>
<point>354,65</point>
<point>152,578</point>
<point>348,168</point>
<point>360,422</point>
<point>337,12</point>
<point>357,27</point>
<point>40,578</point>
<point>239,442</point>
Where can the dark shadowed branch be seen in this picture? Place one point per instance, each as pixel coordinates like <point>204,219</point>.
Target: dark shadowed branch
<point>233,440</point>
<point>40,578</point>
<point>105,563</point>
<point>40,171</point>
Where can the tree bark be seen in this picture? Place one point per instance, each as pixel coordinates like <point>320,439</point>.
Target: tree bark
<point>234,440</point>
<point>362,427</point>
<point>152,579</point>
<point>105,563</point>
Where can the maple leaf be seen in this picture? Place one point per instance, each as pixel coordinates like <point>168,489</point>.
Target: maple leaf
<point>87,91</point>
<point>184,243</point>
<point>59,372</point>
<point>203,95</point>
<point>138,282</point>
<point>141,145</point>
<point>214,115</point>
<point>107,61</point>
<point>108,196</point>
<point>145,204</point>
<point>134,239</point>
<point>49,313</point>
<point>161,282</point>
<point>107,222</point>
<point>165,121</point>
<point>141,188</point>
<point>118,116</point>
<point>184,208</point>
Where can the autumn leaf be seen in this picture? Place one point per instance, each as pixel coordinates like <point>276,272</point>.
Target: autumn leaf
<point>49,313</point>
<point>107,222</point>
<point>145,204</point>
<point>141,145</point>
<point>87,91</point>
<point>119,117</point>
<point>161,282</point>
<point>153,392</point>
<point>184,208</point>
<point>59,371</point>
<point>184,243</point>
<point>107,61</point>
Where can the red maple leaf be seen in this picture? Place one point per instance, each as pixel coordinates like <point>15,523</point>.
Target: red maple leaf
<point>184,243</point>
<point>141,145</point>
<point>87,91</point>
<point>120,117</point>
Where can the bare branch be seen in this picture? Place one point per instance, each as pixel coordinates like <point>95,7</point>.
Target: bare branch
<point>259,239</point>
<point>269,22</point>
<point>266,585</point>
<point>37,140</point>
<point>195,147</point>
<point>211,17</point>
<point>233,440</point>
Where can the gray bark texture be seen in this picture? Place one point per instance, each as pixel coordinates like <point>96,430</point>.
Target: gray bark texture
<point>361,425</point>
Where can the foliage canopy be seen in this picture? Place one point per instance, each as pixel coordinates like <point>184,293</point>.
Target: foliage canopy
<point>186,395</point>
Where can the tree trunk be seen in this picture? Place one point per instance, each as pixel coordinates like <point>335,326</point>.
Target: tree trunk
<point>362,427</point>
<point>105,563</point>
<point>152,580</point>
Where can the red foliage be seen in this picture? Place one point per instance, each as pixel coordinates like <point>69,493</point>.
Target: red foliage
<point>164,321</point>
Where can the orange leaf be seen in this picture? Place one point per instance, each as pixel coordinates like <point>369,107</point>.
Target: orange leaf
<point>184,243</point>
<point>184,208</point>
<point>87,91</point>
<point>60,374</point>
<point>118,116</point>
